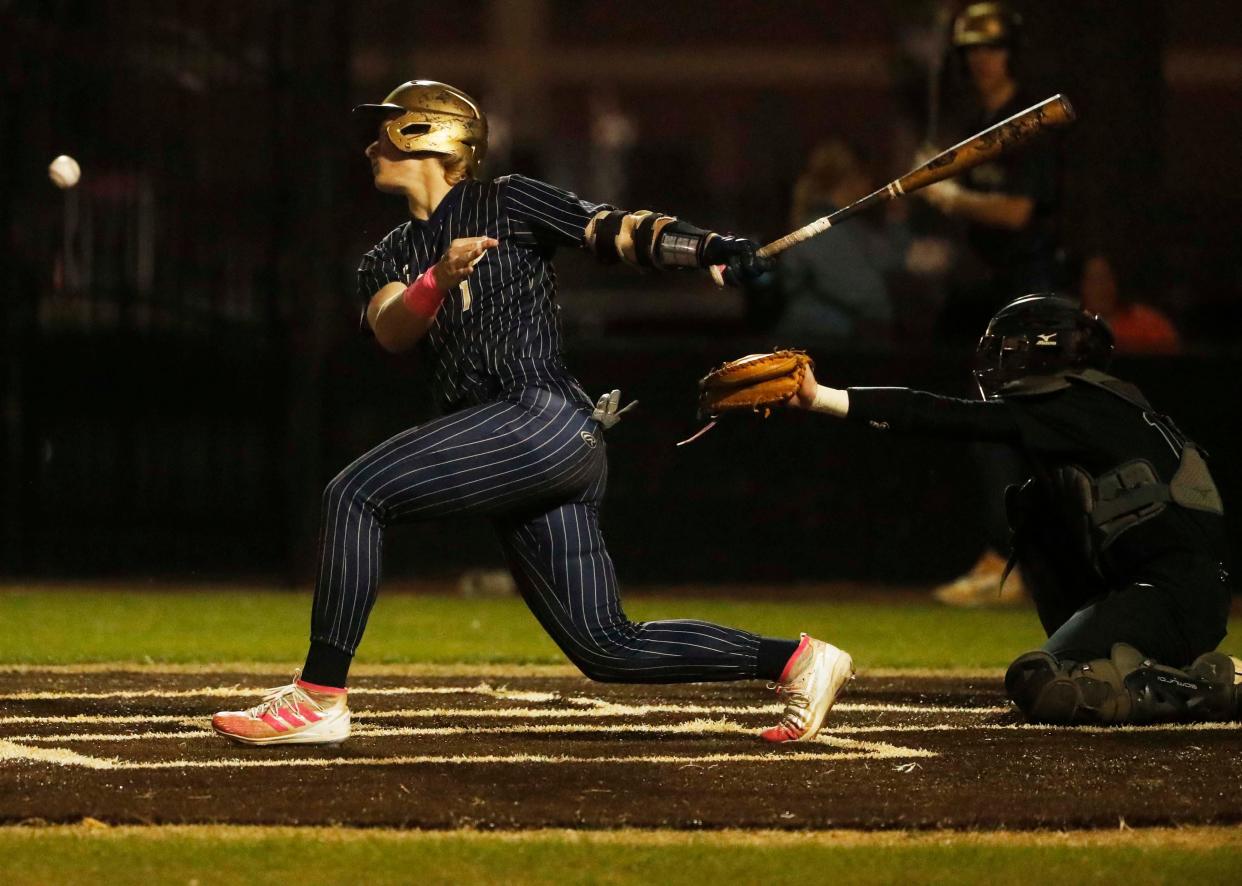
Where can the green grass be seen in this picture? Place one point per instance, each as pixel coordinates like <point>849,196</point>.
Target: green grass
<point>46,626</point>
<point>40,626</point>
<point>83,856</point>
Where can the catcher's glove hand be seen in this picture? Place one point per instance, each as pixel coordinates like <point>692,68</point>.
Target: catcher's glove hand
<point>756,383</point>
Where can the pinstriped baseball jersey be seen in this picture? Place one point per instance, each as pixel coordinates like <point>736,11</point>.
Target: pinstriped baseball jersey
<point>518,446</point>
<point>497,332</point>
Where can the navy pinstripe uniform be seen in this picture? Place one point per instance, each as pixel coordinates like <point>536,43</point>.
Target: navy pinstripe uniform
<point>517,445</point>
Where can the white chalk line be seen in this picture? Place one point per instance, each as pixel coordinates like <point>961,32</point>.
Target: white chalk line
<point>849,749</point>
<point>245,692</point>
<point>692,727</point>
<point>589,709</point>
<point>504,693</point>
<point>58,756</point>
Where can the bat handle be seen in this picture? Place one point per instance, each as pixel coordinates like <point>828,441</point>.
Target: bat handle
<point>792,239</point>
<point>806,232</point>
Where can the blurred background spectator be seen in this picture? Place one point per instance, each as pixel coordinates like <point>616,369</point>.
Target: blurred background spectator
<point>835,286</point>
<point>181,371</point>
<point>1138,328</point>
<point>1008,206</point>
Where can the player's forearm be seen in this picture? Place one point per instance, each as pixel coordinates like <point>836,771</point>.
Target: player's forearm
<point>902,409</point>
<point>649,240</point>
<point>645,239</point>
<point>397,328</point>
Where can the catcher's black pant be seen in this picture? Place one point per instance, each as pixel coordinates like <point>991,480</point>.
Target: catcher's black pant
<point>534,463</point>
<point>1176,615</point>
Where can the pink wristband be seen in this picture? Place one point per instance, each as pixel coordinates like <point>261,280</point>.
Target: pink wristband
<point>423,297</point>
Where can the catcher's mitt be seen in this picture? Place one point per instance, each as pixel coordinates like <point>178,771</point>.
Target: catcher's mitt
<point>756,383</point>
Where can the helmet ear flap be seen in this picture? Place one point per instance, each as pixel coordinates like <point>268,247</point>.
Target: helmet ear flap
<point>405,131</point>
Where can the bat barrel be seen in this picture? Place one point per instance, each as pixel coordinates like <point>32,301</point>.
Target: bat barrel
<point>1009,134</point>
<point>1051,113</point>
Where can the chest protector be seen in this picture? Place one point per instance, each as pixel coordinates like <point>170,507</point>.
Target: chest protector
<point>1099,510</point>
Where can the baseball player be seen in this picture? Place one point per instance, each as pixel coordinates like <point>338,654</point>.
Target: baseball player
<point>470,280</point>
<point>1120,530</point>
<point>1008,209</point>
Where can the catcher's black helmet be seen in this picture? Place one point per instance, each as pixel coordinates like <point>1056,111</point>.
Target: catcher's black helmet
<point>1039,335</point>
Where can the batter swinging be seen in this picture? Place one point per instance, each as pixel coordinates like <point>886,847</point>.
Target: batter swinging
<point>469,279</point>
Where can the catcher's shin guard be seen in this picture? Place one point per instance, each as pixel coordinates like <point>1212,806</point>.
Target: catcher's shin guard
<point>1062,694</point>
<point>1220,675</point>
<point>1123,688</point>
<point>1037,683</point>
<point>1207,690</point>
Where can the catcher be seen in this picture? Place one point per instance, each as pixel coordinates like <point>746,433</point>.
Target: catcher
<point>1120,531</point>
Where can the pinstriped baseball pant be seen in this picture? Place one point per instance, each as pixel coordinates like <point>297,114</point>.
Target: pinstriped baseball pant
<point>534,463</point>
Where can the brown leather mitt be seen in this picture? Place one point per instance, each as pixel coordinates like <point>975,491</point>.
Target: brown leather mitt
<point>756,383</point>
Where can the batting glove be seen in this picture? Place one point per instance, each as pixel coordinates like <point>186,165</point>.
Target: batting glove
<point>739,256</point>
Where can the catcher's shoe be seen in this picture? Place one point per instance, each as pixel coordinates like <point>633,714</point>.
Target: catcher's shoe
<point>300,713</point>
<point>810,683</point>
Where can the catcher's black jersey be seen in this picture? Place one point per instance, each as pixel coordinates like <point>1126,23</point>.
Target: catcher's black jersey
<point>1080,425</point>
<point>497,332</point>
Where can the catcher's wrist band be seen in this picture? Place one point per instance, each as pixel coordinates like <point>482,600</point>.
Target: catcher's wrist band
<point>832,401</point>
<point>422,297</point>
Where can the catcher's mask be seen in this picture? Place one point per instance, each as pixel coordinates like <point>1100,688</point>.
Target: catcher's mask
<point>986,24</point>
<point>1038,336</point>
<point>423,115</point>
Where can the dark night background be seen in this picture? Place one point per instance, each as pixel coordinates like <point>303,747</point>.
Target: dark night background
<point>181,368</point>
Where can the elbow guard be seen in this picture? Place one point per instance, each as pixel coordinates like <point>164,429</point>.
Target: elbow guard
<point>645,239</point>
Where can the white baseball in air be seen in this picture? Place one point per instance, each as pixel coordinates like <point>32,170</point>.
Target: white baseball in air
<point>64,171</point>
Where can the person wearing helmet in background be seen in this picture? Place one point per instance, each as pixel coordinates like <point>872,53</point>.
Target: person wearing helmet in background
<point>1008,206</point>
<point>1007,210</point>
<point>469,279</point>
<point>1119,530</point>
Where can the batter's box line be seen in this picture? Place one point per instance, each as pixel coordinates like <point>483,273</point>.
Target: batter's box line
<point>601,706</point>
<point>693,727</point>
<point>238,691</point>
<point>586,710</point>
<point>850,749</point>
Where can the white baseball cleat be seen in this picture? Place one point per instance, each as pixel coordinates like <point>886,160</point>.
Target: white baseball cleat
<point>300,713</point>
<point>813,679</point>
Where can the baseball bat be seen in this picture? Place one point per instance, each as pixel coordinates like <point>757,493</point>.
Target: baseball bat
<point>1051,113</point>
<point>1005,136</point>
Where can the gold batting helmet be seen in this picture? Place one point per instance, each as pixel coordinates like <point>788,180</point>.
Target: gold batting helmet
<point>985,24</point>
<point>433,117</point>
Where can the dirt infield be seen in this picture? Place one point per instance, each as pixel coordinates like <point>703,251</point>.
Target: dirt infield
<point>534,749</point>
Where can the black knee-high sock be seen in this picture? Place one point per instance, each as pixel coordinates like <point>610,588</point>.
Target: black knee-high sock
<point>773,656</point>
<point>326,665</point>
